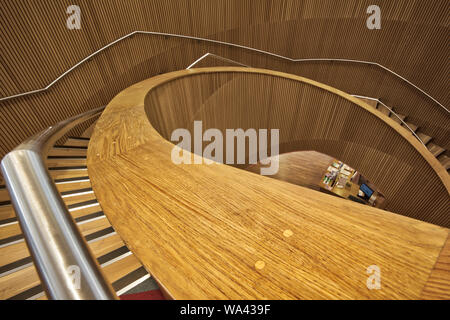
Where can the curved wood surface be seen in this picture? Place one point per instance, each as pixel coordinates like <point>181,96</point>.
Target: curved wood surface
<point>215,231</point>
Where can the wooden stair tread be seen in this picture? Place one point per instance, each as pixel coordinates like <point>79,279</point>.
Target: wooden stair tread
<point>372,103</point>
<point>7,212</point>
<point>412,126</point>
<point>72,186</point>
<point>86,228</point>
<point>384,110</point>
<point>398,117</point>
<point>76,142</point>
<point>10,230</point>
<point>4,195</point>
<point>67,151</point>
<point>425,138</point>
<point>17,282</point>
<point>13,253</point>
<point>19,251</point>
<point>78,213</point>
<point>121,268</point>
<point>78,197</point>
<point>435,149</point>
<point>106,245</point>
<point>65,162</point>
<point>93,226</point>
<point>445,161</point>
<point>58,174</point>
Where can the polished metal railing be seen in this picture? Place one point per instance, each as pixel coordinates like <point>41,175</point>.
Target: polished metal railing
<point>227,44</point>
<point>208,54</point>
<point>65,265</point>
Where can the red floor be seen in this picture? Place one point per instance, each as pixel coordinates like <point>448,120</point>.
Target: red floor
<point>147,295</point>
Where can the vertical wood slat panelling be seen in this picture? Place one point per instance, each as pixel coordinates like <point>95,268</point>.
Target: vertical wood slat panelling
<point>37,47</point>
<point>309,118</point>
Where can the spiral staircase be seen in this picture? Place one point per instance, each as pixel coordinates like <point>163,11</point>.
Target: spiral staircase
<point>369,62</point>
<point>436,150</point>
<point>19,279</point>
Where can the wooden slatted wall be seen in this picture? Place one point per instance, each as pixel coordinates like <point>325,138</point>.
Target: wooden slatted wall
<point>36,47</point>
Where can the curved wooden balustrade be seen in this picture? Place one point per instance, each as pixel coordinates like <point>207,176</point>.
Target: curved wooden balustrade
<point>215,231</point>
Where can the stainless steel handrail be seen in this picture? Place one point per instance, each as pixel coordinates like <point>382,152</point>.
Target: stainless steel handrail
<point>394,113</point>
<point>64,263</point>
<point>227,44</point>
<point>208,54</point>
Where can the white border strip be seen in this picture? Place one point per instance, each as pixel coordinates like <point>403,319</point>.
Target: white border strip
<point>107,263</point>
<point>133,284</point>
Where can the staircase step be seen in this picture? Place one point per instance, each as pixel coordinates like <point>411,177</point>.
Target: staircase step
<point>398,117</point>
<point>130,281</point>
<point>121,268</point>
<point>106,259</point>
<point>16,256</point>
<point>103,246</point>
<point>65,186</point>
<point>412,126</point>
<point>4,195</point>
<point>17,282</point>
<point>83,209</point>
<point>29,294</point>
<point>435,149</point>
<point>60,175</point>
<point>425,138</point>
<point>10,233</point>
<point>75,197</point>
<point>92,226</point>
<point>384,110</point>
<point>370,102</point>
<point>13,253</point>
<point>67,151</point>
<point>66,163</point>
<point>77,142</point>
<point>6,213</point>
<point>445,161</point>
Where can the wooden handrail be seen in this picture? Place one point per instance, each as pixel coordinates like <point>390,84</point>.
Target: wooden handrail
<point>215,231</point>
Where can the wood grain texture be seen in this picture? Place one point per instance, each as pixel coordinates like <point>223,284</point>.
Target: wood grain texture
<point>4,195</point>
<point>303,168</point>
<point>17,282</point>
<point>37,48</point>
<point>205,231</point>
<point>438,284</point>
